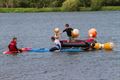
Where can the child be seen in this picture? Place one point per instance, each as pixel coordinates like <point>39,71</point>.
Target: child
<point>68,30</point>
<point>57,44</point>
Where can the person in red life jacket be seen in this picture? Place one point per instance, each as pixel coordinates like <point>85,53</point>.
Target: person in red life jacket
<point>68,30</point>
<point>13,46</point>
<point>90,42</point>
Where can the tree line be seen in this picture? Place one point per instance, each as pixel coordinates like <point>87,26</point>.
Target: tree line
<point>66,4</point>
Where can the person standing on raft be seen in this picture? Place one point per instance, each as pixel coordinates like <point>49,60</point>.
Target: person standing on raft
<point>68,30</point>
<point>13,46</point>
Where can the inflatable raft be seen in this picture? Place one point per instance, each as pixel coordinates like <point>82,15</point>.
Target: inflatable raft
<point>84,44</point>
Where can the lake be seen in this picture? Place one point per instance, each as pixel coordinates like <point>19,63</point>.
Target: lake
<point>35,29</point>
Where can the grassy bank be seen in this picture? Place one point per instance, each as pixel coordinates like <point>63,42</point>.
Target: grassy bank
<point>22,10</point>
<point>17,10</point>
<point>111,8</point>
<point>104,8</point>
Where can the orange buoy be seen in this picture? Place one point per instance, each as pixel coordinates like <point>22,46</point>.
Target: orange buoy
<point>75,33</point>
<point>108,46</point>
<point>92,33</point>
<point>98,46</point>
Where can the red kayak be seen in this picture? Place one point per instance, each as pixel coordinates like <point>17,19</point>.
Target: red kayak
<point>11,52</point>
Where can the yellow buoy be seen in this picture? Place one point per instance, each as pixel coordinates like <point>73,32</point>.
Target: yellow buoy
<point>98,46</point>
<point>92,33</point>
<point>108,46</point>
<point>75,33</point>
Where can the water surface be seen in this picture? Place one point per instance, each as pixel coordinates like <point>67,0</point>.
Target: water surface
<point>35,29</point>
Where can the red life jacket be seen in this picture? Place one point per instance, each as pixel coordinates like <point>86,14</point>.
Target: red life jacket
<point>90,40</point>
<point>12,46</point>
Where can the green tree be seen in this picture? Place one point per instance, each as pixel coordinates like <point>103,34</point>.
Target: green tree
<point>23,3</point>
<point>96,4</point>
<point>56,3</point>
<point>5,3</point>
<point>112,2</point>
<point>71,5</point>
<point>85,3</point>
<point>16,3</point>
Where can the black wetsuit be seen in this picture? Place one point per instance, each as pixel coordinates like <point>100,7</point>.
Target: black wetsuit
<point>68,31</point>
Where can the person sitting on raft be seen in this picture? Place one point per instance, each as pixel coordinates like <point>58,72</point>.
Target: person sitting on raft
<point>13,46</point>
<point>68,30</point>
<point>57,44</point>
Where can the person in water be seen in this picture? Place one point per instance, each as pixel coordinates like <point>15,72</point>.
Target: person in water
<point>68,30</point>
<point>13,46</point>
<point>57,44</point>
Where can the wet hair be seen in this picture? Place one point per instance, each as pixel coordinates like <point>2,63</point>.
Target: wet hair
<point>67,25</point>
<point>53,38</point>
<point>14,38</point>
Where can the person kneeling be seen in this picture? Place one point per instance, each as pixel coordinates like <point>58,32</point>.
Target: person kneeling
<point>13,46</point>
<point>57,43</point>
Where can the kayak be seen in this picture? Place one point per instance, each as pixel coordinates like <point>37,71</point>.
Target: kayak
<point>11,52</point>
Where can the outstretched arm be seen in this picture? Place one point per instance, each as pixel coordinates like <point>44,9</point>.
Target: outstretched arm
<point>64,30</point>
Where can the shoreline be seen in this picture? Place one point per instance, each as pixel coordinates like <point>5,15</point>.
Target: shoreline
<point>59,9</point>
